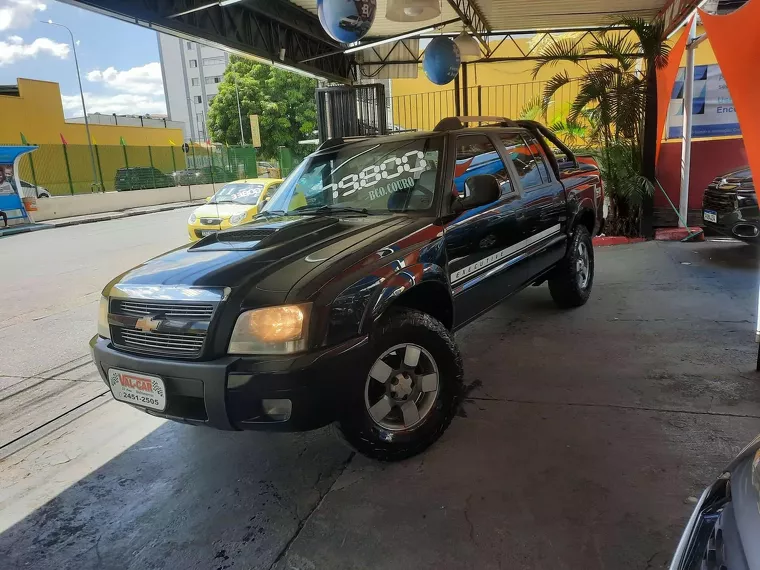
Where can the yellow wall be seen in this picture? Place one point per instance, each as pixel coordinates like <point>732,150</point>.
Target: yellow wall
<point>38,113</point>
<point>506,87</point>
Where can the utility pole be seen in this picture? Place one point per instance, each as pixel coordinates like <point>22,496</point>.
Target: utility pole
<point>81,94</point>
<point>240,114</point>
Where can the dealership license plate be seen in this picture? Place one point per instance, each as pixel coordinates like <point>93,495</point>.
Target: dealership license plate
<point>710,216</point>
<point>139,389</point>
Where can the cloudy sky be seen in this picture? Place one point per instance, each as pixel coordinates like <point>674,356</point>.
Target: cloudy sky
<point>118,61</point>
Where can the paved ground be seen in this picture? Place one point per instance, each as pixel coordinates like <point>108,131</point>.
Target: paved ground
<point>582,441</point>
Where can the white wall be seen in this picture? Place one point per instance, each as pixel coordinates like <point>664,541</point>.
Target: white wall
<point>174,81</point>
<point>67,206</point>
<point>124,120</point>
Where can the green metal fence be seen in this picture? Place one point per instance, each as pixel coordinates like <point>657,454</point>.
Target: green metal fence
<point>67,169</point>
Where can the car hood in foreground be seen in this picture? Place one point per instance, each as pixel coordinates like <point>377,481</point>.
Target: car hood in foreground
<point>273,254</point>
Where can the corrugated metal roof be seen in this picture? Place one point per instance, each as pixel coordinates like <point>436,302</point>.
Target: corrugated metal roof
<point>515,15</point>
<point>537,14</point>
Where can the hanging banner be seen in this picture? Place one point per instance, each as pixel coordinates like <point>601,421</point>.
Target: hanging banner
<point>255,131</point>
<point>713,112</point>
<point>738,60</point>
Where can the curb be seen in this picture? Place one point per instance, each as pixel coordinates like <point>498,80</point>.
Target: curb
<point>117,215</point>
<point>11,231</point>
<point>604,241</point>
<point>679,234</point>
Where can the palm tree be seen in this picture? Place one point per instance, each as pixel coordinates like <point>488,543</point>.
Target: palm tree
<point>613,99</point>
<point>572,133</point>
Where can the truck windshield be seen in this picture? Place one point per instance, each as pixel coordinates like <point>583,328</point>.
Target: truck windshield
<point>372,177</point>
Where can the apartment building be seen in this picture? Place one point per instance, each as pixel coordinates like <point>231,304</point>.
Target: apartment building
<point>191,73</point>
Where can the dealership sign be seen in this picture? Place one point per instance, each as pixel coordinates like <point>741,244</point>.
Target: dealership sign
<point>713,113</point>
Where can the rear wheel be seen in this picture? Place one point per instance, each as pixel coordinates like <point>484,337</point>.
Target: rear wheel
<point>571,281</point>
<point>409,390</point>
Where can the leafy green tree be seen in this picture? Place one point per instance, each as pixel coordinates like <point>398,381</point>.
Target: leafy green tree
<point>283,101</point>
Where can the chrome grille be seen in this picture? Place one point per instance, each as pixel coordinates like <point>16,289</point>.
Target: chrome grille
<point>719,200</point>
<point>166,343</point>
<point>178,327</point>
<point>211,221</point>
<point>199,311</point>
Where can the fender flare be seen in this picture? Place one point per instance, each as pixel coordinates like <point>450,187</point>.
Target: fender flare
<point>401,282</point>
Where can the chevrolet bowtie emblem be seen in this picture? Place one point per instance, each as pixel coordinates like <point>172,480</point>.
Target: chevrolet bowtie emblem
<point>147,324</point>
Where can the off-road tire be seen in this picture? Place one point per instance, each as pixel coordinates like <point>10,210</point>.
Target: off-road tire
<point>360,431</point>
<point>564,283</point>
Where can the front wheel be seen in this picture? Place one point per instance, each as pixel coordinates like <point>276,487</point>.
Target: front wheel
<point>570,282</point>
<point>408,391</point>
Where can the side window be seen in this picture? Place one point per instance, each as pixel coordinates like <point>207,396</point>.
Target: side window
<point>270,191</point>
<point>476,155</point>
<point>536,150</point>
<point>525,164</point>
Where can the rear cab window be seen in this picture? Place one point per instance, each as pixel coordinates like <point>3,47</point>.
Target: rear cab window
<point>538,155</point>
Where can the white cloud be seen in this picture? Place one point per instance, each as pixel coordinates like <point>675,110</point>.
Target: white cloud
<point>18,13</point>
<point>14,49</point>
<point>143,80</point>
<point>134,91</point>
<point>121,104</point>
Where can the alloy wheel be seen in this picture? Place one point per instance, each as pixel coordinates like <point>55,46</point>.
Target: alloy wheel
<point>583,265</point>
<point>401,387</point>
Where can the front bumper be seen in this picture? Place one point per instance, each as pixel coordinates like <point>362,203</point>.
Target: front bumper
<point>227,393</point>
<point>738,223</point>
<point>194,230</point>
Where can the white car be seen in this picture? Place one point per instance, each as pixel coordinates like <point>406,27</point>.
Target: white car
<point>29,190</point>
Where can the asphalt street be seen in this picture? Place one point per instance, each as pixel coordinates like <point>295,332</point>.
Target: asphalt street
<point>582,441</point>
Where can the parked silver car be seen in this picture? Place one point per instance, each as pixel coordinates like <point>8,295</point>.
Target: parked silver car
<point>723,530</point>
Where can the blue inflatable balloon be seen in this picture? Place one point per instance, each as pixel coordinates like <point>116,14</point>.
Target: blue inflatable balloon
<point>441,60</point>
<point>346,21</point>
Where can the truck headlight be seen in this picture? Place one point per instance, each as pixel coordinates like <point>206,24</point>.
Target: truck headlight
<point>191,219</point>
<point>235,219</point>
<point>272,330</point>
<point>103,329</point>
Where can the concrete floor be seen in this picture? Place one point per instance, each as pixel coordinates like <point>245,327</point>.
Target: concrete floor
<point>582,442</point>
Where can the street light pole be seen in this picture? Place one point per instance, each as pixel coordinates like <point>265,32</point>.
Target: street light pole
<point>81,94</point>
<point>240,114</point>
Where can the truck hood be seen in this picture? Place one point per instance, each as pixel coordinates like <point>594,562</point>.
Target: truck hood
<point>274,254</point>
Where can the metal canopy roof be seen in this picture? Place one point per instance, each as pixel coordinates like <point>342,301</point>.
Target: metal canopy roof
<point>537,14</point>
<point>516,15</point>
<point>287,33</point>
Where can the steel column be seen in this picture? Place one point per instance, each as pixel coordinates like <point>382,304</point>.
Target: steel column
<point>688,104</point>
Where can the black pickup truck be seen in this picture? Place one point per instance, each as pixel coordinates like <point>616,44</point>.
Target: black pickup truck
<point>338,303</point>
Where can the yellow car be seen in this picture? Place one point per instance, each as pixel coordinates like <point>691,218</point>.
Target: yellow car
<point>233,204</point>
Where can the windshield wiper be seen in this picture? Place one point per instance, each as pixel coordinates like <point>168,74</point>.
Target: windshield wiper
<point>327,210</point>
<point>269,213</point>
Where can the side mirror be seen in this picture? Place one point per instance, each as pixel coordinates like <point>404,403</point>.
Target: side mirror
<point>209,198</point>
<point>478,191</point>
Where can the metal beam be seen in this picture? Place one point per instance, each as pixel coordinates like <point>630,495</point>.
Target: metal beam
<point>473,20</point>
<point>260,29</point>
<point>529,55</point>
